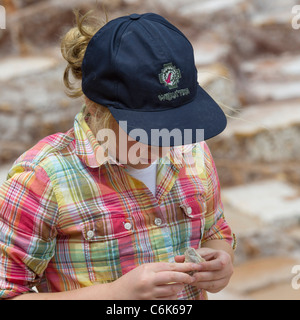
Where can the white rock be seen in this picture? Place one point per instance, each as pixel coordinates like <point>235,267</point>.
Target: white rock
<point>209,50</point>
<point>264,19</point>
<point>273,67</point>
<point>266,116</point>
<point>263,91</point>
<point>209,7</point>
<point>24,66</point>
<point>275,78</point>
<point>291,68</point>
<point>272,201</point>
<point>175,5</point>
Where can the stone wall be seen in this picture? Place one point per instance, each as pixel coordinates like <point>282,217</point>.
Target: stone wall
<point>247,54</point>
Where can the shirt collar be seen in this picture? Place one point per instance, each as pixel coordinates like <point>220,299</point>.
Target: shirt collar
<point>178,156</point>
<point>87,148</point>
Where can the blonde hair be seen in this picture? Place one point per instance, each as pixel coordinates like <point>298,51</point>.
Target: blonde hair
<point>73,48</point>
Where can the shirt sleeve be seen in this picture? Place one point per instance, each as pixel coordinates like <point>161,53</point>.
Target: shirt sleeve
<point>28,211</point>
<point>216,227</point>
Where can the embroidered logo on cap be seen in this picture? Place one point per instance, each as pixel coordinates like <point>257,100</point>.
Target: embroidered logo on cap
<point>170,76</point>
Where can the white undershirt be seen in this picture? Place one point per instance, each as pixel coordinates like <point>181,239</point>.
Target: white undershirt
<point>147,176</point>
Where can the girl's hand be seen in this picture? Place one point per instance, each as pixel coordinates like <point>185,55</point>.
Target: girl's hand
<point>215,273</point>
<point>154,281</point>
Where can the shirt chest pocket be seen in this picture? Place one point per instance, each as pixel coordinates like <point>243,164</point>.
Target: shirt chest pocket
<point>194,207</point>
<point>191,217</point>
<point>104,238</point>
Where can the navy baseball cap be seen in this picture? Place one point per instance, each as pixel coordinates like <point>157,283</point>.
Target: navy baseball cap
<point>142,68</point>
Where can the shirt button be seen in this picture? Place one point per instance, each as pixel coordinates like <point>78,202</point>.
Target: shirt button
<point>158,221</point>
<point>127,226</point>
<point>189,210</point>
<point>90,234</point>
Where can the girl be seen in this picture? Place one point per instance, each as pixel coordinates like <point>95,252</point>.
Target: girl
<point>107,210</point>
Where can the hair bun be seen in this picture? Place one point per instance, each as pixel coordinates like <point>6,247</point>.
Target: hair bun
<point>73,47</point>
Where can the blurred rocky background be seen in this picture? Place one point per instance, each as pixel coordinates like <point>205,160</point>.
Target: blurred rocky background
<point>247,54</point>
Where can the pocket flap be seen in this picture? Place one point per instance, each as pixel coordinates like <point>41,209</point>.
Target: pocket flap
<point>107,228</point>
<point>194,206</point>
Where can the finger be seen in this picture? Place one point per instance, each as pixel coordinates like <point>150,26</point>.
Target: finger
<point>179,259</point>
<point>213,265</point>
<point>212,286</point>
<point>208,276</point>
<point>178,267</point>
<point>166,277</point>
<point>206,251</point>
<point>168,290</point>
<point>208,254</point>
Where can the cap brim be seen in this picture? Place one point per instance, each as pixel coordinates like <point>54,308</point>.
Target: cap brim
<point>199,120</point>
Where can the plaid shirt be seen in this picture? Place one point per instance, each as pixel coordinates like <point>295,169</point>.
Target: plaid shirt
<point>67,222</point>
